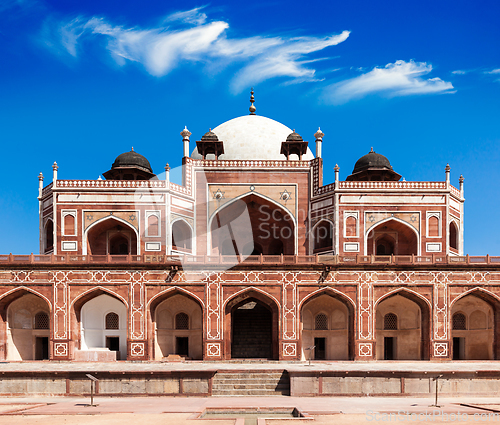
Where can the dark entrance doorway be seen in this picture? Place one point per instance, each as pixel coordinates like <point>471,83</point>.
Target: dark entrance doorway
<point>389,348</point>
<point>251,331</point>
<point>319,348</point>
<point>113,344</point>
<point>458,348</point>
<point>182,346</point>
<point>42,348</point>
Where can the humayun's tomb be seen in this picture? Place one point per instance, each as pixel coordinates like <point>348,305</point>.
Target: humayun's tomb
<point>251,257</point>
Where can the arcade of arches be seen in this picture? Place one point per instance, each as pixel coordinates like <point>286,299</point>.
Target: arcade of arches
<point>252,326</point>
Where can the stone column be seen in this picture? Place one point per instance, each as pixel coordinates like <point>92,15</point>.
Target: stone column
<point>137,344</point>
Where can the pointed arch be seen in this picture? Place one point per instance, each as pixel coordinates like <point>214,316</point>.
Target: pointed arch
<point>454,235</point>
<point>99,290</point>
<point>410,294</point>
<point>277,217</point>
<point>9,296</point>
<point>170,292</point>
<point>488,339</point>
<point>259,195</point>
<point>188,238</point>
<point>336,337</point>
<point>164,336</point>
<point>425,307</point>
<point>326,241</point>
<point>260,295</point>
<point>103,220</point>
<point>328,291</point>
<point>268,308</point>
<point>406,225</point>
<point>482,293</point>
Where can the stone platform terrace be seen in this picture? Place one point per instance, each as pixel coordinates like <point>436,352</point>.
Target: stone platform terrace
<point>387,378</point>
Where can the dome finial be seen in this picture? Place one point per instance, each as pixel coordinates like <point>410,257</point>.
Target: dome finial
<point>252,108</point>
<point>132,150</point>
<point>371,151</point>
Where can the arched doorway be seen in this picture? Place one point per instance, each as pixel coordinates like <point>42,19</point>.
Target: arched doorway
<point>252,225</point>
<point>111,236</point>
<point>328,325</point>
<point>177,326</point>
<point>251,329</point>
<point>101,323</point>
<point>323,237</point>
<point>453,236</point>
<point>392,237</point>
<point>473,327</point>
<point>402,327</point>
<point>27,326</point>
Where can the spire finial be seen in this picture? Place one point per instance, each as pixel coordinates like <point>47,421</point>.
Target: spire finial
<point>372,151</point>
<point>252,108</point>
<point>132,150</point>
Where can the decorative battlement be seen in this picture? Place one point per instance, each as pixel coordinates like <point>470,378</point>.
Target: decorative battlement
<point>108,184</point>
<point>391,185</point>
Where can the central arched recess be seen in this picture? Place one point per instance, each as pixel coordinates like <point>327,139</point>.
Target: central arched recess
<point>392,237</point>
<point>252,327</point>
<point>111,236</point>
<point>272,228</point>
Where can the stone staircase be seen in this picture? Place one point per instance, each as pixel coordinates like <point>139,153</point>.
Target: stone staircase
<point>265,383</point>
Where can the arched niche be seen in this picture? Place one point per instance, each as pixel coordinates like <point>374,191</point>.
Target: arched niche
<point>392,237</point>
<point>473,327</point>
<point>28,327</point>
<point>111,236</point>
<point>252,225</point>
<point>91,314</point>
<point>251,326</point>
<point>178,326</point>
<point>453,236</point>
<point>402,327</point>
<point>327,323</point>
<point>323,236</point>
<point>49,236</point>
<point>182,236</point>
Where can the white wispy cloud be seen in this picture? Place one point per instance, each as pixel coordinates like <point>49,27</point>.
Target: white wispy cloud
<point>395,79</point>
<point>460,72</point>
<point>188,36</point>
<point>493,71</point>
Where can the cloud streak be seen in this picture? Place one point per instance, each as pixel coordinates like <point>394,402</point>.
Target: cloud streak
<point>188,37</point>
<point>395,79</point>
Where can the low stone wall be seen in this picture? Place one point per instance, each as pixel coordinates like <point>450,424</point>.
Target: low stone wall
<point>186,383</point>
<point>316,383</point>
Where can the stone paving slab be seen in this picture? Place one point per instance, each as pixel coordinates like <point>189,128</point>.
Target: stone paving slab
<point>333,366</point>
<point>313,406</point>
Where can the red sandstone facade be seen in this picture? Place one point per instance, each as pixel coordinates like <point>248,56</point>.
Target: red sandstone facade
<point>250,257</point>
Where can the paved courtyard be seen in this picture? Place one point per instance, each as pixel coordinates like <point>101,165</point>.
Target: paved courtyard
<point>184,410</point>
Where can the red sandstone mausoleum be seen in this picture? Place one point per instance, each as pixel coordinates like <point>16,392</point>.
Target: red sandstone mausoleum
<point>252,256</point>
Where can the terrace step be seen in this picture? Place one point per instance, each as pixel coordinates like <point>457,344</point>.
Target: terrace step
<point>251,383</point>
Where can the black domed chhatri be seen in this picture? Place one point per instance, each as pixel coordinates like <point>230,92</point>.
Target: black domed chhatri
<point>130,166</point>
<point>132,159</point>
<point>373,167</point>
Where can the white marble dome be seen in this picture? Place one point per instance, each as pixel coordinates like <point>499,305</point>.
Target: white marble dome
<point>252,137</point>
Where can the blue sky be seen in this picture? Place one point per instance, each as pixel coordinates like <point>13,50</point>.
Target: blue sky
<point>82,82</point>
